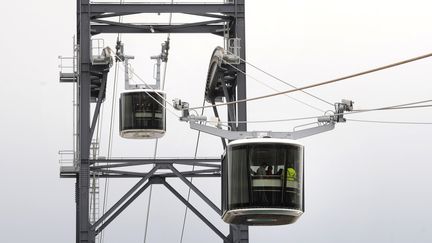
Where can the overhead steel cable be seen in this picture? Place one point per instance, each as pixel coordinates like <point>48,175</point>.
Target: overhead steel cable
<point>272,121</point>
<point>110,137</point>
<point>149,87</point>
<point>157,140</point>
<point>196,144</point>
<point>391,122</point>
<point>282,81</point>
<point>163,98</point>
<point>150,196</point>
<point>191,179</point>
<point>268,86</point>
<point>408,105</point>
<point>411,105</point>
<point>109,153</point>
<point>321,83</point>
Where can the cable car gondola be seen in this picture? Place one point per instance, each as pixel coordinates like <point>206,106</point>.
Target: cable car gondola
<point>262,181</point>
<point>262,171</point>
<point>142,114</point>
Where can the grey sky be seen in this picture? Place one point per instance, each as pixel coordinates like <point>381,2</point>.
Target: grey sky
<point>364,182</point>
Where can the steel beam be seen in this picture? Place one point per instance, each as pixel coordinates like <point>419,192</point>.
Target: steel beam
<point>141,174</point>
<point>230,108</point>
<point>132,8</point>
<point>197,213</point>
<point>313,130</point>
<point>85,234</point>
<point>122,208</point>
<point>111,15</point>
<point>216,16</point>
<point>124,198</point>
<point>240,233</point>
<point>240,32</point>
<point>159,27</point>
<point>216,113</point>
<point>98,108</point>
<point>195,189</point>
<point>212,175</point>
<point>148,29</point>
<point>126,164</point>
<point>190,161</point>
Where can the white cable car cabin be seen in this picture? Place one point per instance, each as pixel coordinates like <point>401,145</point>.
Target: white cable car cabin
<point>262,181</point>
<point>142,114</point>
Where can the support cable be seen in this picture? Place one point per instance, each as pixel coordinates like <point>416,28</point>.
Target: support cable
<point>191,179</point>
<point>282,81</point>
<point>150,196</point>
<point>110,139</point>
<point>391,122</point>
<point>268,86</point>
<point>321,83</point>
<point>411,105</point>
<point>163,98</point>
<point>390,108</point>
<point>157,140</point>
<point>109,153</point>
<point>149,87</point>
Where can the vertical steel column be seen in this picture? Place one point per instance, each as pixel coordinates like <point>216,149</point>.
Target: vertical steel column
<point>77,225</point>
<point>240,233</point>
<point>77,210</point>
<point>240,32</point>
<point>85,235</point>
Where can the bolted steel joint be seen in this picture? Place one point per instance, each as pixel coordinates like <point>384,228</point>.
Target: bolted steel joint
<point>340,108</point>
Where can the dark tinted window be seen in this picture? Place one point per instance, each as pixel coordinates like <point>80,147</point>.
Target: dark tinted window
<point>140,110</point>
<point>265,175</point>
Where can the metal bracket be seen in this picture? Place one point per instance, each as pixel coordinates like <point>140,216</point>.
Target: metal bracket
<point>128,69</point>
<point>234,135</point>
<point>325,123</point>
<point>345,105</point>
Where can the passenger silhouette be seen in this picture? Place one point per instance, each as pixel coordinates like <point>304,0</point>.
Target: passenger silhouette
<point>261,170</point>
<point>279,172</point>
<point>269,170</point>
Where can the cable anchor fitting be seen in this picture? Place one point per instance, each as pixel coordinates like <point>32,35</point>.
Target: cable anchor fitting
<point>182,106</point>
<point>340,108</point>
<point>338,116</point>
<point>119,56</point>
<point>165,49</point>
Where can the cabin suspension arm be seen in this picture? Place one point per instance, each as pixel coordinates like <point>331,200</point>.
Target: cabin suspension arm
<point>325,123</point>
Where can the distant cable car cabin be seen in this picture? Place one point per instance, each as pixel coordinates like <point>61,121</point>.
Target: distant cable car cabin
<point>142,107</point>
<point>262,181</point>
<point>142,114</point>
